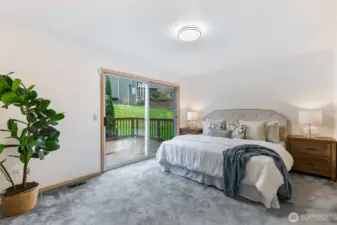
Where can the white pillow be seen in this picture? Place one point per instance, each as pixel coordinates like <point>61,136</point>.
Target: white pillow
<point>255,130</point>
<point>273,132</point>
<point>215,124</point>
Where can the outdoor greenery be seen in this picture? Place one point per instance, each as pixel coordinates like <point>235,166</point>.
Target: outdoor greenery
<point>109,106</point>
<point>124,128</point>
<point>124,111</point>
<point>36,135</point>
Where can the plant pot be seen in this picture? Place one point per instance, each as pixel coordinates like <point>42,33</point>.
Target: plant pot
<point>20,202</point>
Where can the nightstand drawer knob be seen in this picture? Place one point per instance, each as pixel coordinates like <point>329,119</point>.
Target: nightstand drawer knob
<point>311,149</point>
<point>311,164</point>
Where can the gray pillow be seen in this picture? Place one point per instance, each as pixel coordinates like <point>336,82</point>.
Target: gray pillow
<point>220,133</point>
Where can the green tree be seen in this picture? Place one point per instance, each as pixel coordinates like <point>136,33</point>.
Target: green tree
<point>109,107</point>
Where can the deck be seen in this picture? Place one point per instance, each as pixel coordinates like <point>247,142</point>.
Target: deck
<point>127,149</point>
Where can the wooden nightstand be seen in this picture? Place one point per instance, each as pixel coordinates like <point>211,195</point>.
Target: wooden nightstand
<point>313,155</point>
<point>187,130</point>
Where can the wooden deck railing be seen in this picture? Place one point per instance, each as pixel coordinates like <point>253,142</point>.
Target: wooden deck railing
<point>160,129</point>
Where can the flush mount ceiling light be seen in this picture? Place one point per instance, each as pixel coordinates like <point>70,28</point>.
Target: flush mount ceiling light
<point>189,34</point>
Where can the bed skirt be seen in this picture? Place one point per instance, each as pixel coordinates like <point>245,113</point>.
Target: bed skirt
<point>246,191</point>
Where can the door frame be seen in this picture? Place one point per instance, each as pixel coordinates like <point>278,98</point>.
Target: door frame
<point>109,72</point>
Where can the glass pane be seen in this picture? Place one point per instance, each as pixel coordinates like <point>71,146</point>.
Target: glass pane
<point>161,114</point>
<point>125,120</point>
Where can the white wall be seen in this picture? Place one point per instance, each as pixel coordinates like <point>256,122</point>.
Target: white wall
<point>335,85</point>
<point>67,73</point>
<point>284,85</point>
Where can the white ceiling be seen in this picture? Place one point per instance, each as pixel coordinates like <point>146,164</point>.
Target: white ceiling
<point>234,31</point>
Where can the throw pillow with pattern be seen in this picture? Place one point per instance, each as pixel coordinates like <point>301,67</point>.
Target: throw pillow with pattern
<point>238,130</point>
<point>213,124</point>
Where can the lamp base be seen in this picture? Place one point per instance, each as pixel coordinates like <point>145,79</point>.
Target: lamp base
<point>192,125</point>
<point>310,131</point>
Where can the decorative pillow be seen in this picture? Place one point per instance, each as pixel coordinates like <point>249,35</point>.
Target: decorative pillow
<point>238,130</point>
<point>273,132</point>
<point>220,133</point>
<point>215,124</point>
<point>255,130</point>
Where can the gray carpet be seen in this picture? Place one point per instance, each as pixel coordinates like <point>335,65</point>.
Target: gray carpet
<point>142,194</point>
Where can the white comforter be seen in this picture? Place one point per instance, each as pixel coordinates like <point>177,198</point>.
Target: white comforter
<point>203,154</point>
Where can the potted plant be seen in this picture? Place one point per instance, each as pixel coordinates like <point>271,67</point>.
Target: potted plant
<point>36,137</point>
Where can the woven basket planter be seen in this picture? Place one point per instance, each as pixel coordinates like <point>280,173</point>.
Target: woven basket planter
<point>20,203</point>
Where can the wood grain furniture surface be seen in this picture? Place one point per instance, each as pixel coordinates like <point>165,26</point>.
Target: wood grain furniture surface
<point>188,130</point>
<point>315,155</point>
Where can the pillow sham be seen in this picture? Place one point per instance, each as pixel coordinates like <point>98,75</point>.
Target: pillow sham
<point>238,130</point>
<point>255,130</point>
<point>220,133</point>
<point>273,132</point>
<point>215,124</point>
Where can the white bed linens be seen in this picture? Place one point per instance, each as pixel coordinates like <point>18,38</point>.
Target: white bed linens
<point>203,154</point>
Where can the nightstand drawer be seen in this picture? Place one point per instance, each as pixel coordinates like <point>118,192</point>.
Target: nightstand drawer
<point>319,166</point>
<point>299,148</point>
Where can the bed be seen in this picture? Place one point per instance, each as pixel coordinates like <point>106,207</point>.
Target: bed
<point>199,157</point>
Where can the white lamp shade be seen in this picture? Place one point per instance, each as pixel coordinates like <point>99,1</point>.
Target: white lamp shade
<point>192,116</point>
<point>310,117</point>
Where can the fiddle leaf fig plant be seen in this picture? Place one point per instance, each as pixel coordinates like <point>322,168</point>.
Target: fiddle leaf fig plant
<point>35,135</point>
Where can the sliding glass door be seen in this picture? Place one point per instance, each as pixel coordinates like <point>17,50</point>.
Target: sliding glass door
<point>138,116</point>
<point>125,121</point>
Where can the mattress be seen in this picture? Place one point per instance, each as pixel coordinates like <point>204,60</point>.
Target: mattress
<point>247,191</point>
<point>202,155</point>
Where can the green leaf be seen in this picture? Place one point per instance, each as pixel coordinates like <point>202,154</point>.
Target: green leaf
<point>32,143</point>
<point>22,109</point>
<point>23,97</point>
<point>22,157</point>
<point>3,85</point>
<point>51,145</point>
<point>57,117</point>
<point>44,104</point>
<point>52,122</point>
<point>30,87</point>
<point>1,147</point>
<point>23,133</point>
<point>32,95</point>
<point>23,143</point>
<point>10,98</point>
<point>48,130</point>
<point>10,123</point>
<point>50,112</point>
<point>16,84</point>
<point>14,130</point>
<point>31,118</point>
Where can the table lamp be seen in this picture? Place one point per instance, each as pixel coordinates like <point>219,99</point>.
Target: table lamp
<point>191,118</point>
<point>310,118</point>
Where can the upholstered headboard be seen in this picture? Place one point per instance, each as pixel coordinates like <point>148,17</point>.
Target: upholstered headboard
<point>252,115</point>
